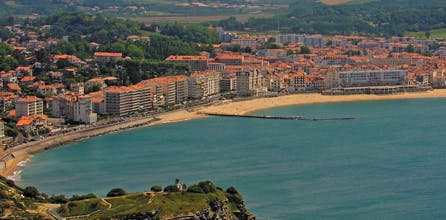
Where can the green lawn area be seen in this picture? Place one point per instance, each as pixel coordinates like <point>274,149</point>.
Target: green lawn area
<point>437,33</point>
<point>83,207</point>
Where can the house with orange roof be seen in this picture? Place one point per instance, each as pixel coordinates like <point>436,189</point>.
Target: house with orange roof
<point>32,123</point>
<point>9,77</point>
<point>51,89</point>
<point>24,71</point>
<point>14,87</point>
<point>138,38</point>
<point>107,56</point>
<point>27,80</point>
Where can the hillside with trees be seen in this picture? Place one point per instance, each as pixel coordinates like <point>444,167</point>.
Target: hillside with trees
<point>380,17</point>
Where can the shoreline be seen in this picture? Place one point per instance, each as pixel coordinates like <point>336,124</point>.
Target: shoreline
<point>24,152</point>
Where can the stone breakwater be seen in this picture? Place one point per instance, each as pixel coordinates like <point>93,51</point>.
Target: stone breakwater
<point>11,157</point>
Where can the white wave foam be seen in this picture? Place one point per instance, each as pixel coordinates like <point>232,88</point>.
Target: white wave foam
<point>15,176</point>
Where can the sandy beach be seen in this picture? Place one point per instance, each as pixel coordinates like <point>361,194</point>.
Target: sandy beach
<point>22,153</point>
<point>245,107</point>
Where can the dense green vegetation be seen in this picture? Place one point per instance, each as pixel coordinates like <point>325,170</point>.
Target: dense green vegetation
<point>111,34</point>
<point>380,17</point>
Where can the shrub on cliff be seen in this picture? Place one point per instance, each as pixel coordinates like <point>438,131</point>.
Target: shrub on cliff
<point>234,196</point>
<point>116,192</point>
<point>31,192</point>
<point>195,189</point>
<point>203,187</point>
<point>207,186</point>
<point>60,199</point>
<point>156,188</point>
<point>82,197</point>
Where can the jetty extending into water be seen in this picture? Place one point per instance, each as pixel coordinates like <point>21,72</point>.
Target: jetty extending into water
<point>296,118</point>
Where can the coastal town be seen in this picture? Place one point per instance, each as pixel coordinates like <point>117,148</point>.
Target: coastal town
<point>40,99</point>
<point>222,109</point>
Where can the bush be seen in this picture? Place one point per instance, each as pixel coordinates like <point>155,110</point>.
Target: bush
<point>195,189</point>
<point>82,197</point>
<point>232,190</point>
<point>31,192</point>
<point>156,188</point>
<point>171,188</point>
<point>60,199</point>
<point>116,192</point>
<point>10,183</point>
<point>207,186</point>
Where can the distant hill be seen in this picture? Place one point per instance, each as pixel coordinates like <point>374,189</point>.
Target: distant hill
<point>366,17</point>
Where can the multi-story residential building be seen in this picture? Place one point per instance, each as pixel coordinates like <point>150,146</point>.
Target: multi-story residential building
<point>216,66</point>
<point>196,63</point>
<point>297,82</point>
<point>308,40</point>
<point>230,59</point>
<point>168,90</point>
<point>78,88</point>
<point>204,84</point>
<point>314,41</point>
<point>275,83</point>
<point>123,100</point>
<point>29,105</point>
<point>355,78</point>
<point>250,82</point>
<point>74,107</point>
<point>227,83</point>
<point>248,42</point>
<point>287,38</point>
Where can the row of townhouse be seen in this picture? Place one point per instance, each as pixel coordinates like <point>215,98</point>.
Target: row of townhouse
<point>296,82</point>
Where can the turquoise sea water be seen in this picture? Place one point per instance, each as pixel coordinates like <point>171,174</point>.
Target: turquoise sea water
<point>390,163</point>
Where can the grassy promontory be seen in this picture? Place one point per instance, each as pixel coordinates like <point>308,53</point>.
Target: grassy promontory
<point>199,201</point>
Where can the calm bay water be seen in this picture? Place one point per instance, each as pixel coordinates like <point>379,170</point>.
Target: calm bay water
<point>388,164</point>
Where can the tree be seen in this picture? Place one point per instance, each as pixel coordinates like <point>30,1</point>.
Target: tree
<point>410,48</point>
<point>116,192</point>
<point>60,199</point>
<point>427,34</point>
<point>305,50</point>
<point>195,189</point>
<point>156,188</point>
<point>30,192</point>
